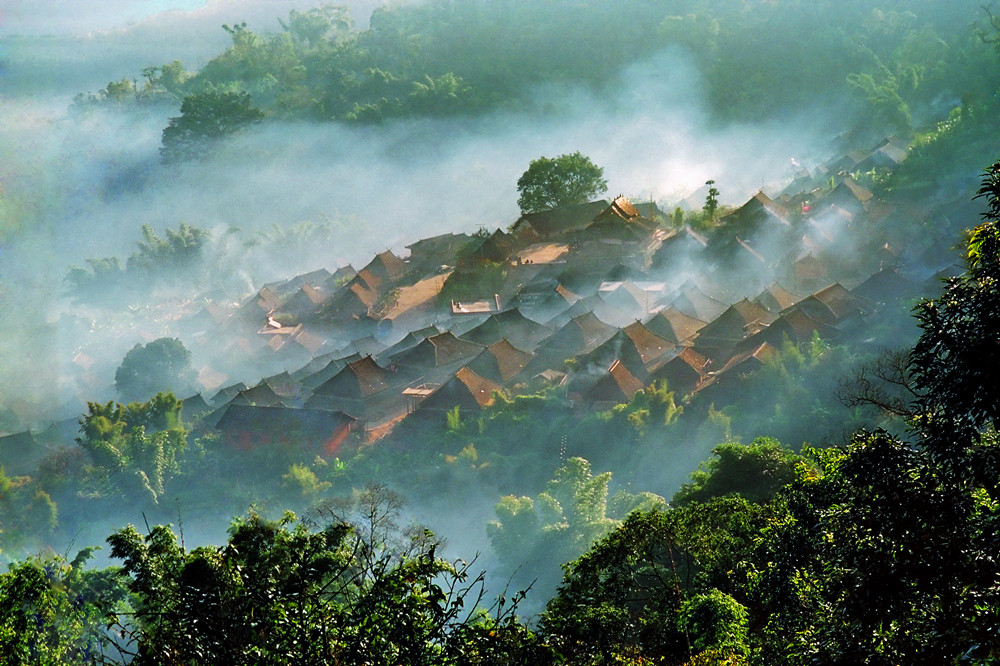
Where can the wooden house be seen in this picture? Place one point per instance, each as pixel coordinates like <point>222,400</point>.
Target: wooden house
<point>674,326</point>
<point>775,298</point>
<point>679,249</point>
<point>850,196</point>
<point>833,306</point>
<point>887,286</point>
<point>247,427</point>
<point>761,215</point>
<point>740,320</point>
<point>579,335</point>
<point>510,325</point>
<point>719,385</point>
<point>465,390</point>
<point>695,303</point>
<point>635,346</point>
<point>434,353</point>
<point>430,254</point>
<point>501,362</point>
<point>682,373</point>
<point>556,222</point>
<point>387,267</point>
<point>597,306</point>
<point>616,386</point>
<point>354,388</point>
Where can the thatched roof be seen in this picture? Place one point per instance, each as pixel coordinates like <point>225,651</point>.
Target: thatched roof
<point>557,221</point>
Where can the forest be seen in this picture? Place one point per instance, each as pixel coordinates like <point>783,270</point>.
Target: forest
<point>719,389</point>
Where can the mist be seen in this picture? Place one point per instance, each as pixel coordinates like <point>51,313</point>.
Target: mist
<point>80,182</point>
<point>88,180</point>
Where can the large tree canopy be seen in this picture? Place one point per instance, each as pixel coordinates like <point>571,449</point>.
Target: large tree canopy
<point>204,120</point>
<point>162,365</point>
<point>561,181</point>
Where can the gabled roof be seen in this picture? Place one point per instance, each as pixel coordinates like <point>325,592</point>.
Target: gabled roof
<point>683,372</point>
<point>357,380</point>
<point>499,362</point>
<point>556,221</point>
<point>261,395</point>
<point>794,325</point>
<point>595,305</point>
<point>579,335</point>
<point>629,296</point>
<point>465,390</point>
<point>436,351</point>
<point>409,341</point>
<point>737,322</point>
<point>314,426</point>
<point>833,304</point>
<point>282,384</point>
<point>684,243</point>
<point>776,298</point>
<point>635,346</point>
<point>318,376</point>
<point>226,394</point>
<point>674,326</point>
<point>887,286</point>
<point>617,385</point>
<point>438,249</point>
<point>355,299</point>
<point>341,275</point>
<point>759,209</point>
<point>194,405</point>
<point>365,346</point>
<point>387,266</point>
<point>316,277</point>
<point>693,302</point>
<point>510,325</point>
<point>649,345</point>
<point>749,360</point>
<point>268,299</point>
<point>619,209</point>
<point>620,220</point>
<point>849,191</point>
<point>495,247</point>
<point>310,341</point>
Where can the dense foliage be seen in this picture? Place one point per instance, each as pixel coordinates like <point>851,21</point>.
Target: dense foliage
<point>164,363</point>
<point>896,64</point>
<point>559,181</point>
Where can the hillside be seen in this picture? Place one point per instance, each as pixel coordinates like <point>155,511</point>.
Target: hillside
<point>710,407</point>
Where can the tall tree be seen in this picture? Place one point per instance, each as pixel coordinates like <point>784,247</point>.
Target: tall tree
<point>561,181</point>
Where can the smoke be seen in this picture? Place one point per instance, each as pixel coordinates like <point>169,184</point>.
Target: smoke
<point>86,182</point>
<point>77,185</point>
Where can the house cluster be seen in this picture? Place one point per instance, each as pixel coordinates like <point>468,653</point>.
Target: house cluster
<point>603,298</point>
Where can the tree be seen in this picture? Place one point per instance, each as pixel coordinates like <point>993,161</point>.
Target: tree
<point>955,365</point>
<point>561,181</point>
<point>135,446</point>
<point>290,592</point>
<point>161,365</point>
<point>54,612</point>
<point>643,587</point>
<point>755,471</point>
<point>27,513</point>
<point>711,201</point>
<point>206,119</point>
<point>882,559</point>
<point>561,522</point>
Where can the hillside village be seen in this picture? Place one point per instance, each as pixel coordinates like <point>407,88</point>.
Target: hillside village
<point>602,298</point>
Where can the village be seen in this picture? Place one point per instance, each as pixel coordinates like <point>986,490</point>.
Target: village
<point>602,298</point>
